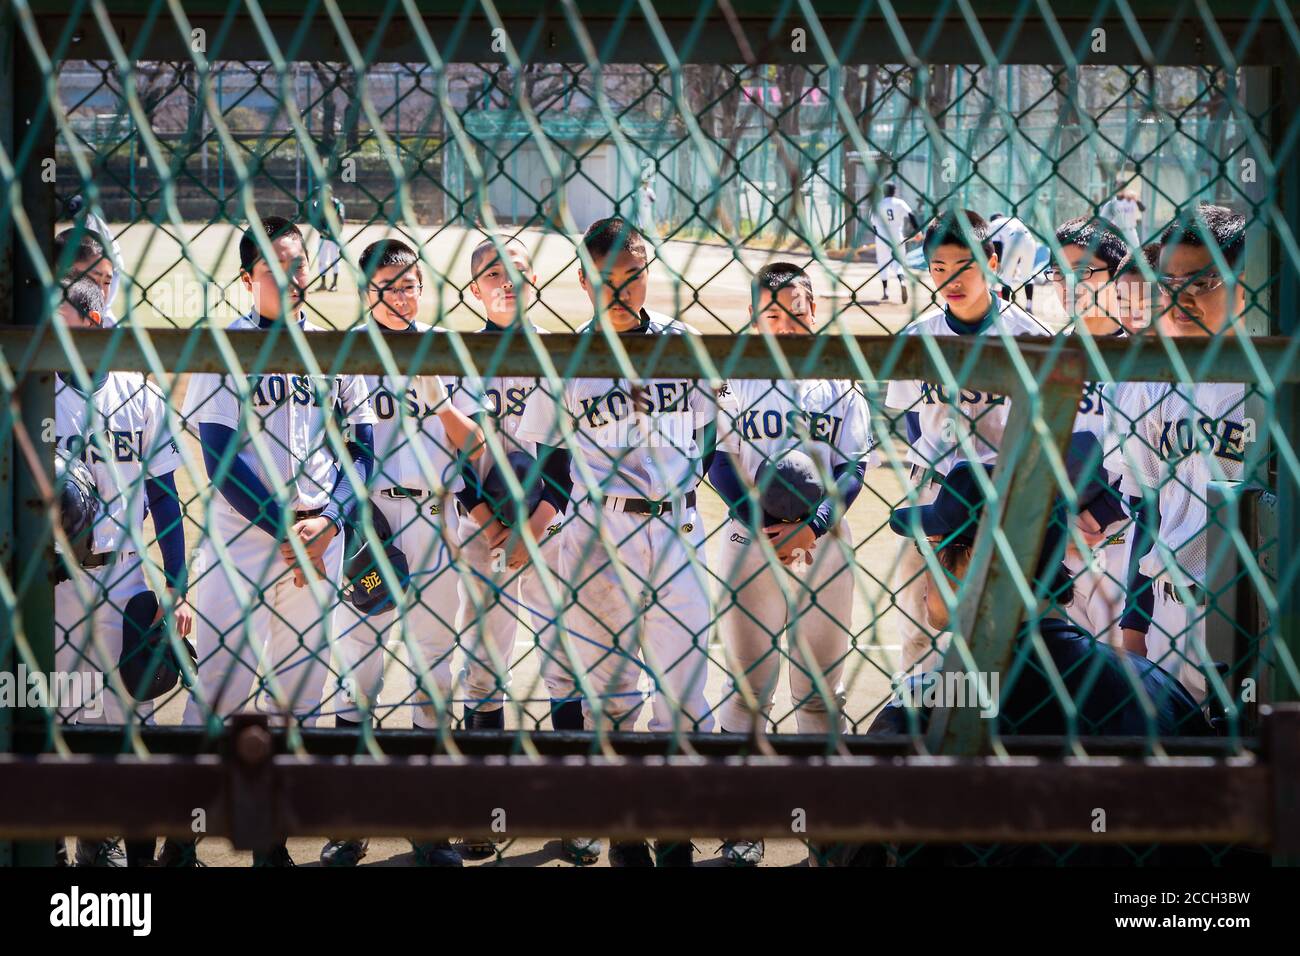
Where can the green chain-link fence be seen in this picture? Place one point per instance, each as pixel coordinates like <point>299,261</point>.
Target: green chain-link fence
<point>813,383</point>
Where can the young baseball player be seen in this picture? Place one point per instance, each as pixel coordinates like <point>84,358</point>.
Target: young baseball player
<point>633,543</point>
<point>1086,282</point>
<point>262,614</point>
<point>893,222</point>
<point>1015,246</point>
<point>413,496</point>
<point>1179,437</point>
<point>330,253</point>
<point>1125,210</point>
<point>117,425</point>
<point>503,589</point>
<point>935,420</point>
<point>760,422</point>
<point>97,257</point>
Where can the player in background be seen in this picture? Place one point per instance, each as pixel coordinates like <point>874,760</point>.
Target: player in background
<point>1179,437</point>
<point>1015,246</point>
<point>633,544</point>
<point>329,254</point>
<point>936,421</point>
<point>894,223</point>
<point>759,421</point>
<point>262,613</point>
<point>119,429</point>
<point>1125,210</point>
<point>95,258</point>
<point>413,496</point>
<point>512,593</point>
<point>1087,284</point>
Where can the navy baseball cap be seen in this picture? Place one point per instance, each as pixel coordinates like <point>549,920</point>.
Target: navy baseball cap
<point>789,489</point>
<point>954,515</point>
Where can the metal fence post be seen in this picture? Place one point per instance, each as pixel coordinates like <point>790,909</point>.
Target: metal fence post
<point>7,656</point>
<point>33,142</point>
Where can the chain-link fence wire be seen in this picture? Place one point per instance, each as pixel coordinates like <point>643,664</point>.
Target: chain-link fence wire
<point>340,547</point>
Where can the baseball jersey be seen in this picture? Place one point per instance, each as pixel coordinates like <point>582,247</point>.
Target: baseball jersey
<point>1176,439</point>
<point>503,398</point>
<point>396,462</point>
<point>943,417</point>
<point>889,220</point>
<point>760,419</point>
<point>638,442</point>
<point>130,414</point>
<point>1124,212</point>
<point>286,411</point>
<point>1017,247</point>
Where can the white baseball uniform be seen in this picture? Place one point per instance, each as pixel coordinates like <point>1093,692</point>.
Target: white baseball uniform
<point>250,618</point>
<point>1176,439</point>
<point>114,253</point>
<point>942,419</point>
<point>415,499</point>
<point>494,599</point>
<point>1018,247</point>
<point>129,414</point>
<point>889,222</point>
<point>1124,212</point>
<point>758,421</point>
<point>641,597</point>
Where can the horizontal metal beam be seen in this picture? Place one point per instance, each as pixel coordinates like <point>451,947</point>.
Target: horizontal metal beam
<point>760,32</point>
<point>90,740</point>
<point>853,798</point>
<point>988,362</point>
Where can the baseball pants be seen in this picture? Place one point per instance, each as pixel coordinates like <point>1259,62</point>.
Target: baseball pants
<point>88,641</point>
<point>920,647</point>
<point>251,621</point>
<point>1176,639</point>
<point>818,616</point>
<point>494,601</point>
<point>1099,590</point>
<point>427,627</point>
<point>886,265</point>
<point>641,604</point>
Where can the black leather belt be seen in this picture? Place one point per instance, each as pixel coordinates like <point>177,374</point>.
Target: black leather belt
<point>1197,592</point>
<point>304,515</point>
<point>105,558</point>
<point>643,506</point>
<point>402,493</point>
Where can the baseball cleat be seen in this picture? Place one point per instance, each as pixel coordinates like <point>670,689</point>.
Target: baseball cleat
<point>343,852</point>
<point>674,854</point>
<point>477,849</point>
<point>178,854</point>
<point>742,852</point>
<point>581,851</point>
<point>439,853</point>
<point>100,853</point>
<point>277,857</point>
<point>630,855</point>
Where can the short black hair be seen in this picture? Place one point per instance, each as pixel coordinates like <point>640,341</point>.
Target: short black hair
<point>1099,236</point>
<point>85,296</point>
<point>776,276</point>
<point>1150,252</point>
<point>273,227</point>
<point>945,230</point>
<point>91,246</point>
<point>611,235</point>
<point>388,254</point>
<point>890,189</point>
<point>488,247</point>
<point>1225,226</point>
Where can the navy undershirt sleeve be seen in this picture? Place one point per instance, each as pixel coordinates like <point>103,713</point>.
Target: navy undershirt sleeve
<point>913,421</point>
<point>557,480</point>
<point>1141,602</point>
<point>241,488</point>
<point>706,440</point>
<point>343,500</point>
<point>848,479</point>
<point>165,506</point>
<point>726,482</point>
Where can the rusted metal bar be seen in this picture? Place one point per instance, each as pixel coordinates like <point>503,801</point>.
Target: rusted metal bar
<point>740,356</point>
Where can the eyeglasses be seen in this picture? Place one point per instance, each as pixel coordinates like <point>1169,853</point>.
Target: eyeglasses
<point>1203,284</point>
<point>1081,274</point>
<point>410,290</point>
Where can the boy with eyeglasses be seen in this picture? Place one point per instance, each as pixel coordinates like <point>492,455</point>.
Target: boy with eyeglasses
<point>1179,437</point>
